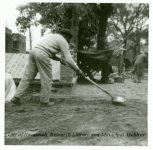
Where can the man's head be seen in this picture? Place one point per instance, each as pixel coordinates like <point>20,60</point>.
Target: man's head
<point>66,33</point>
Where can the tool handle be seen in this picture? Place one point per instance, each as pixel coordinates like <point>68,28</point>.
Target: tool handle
<point>98,86</point>
<point>64,63</point>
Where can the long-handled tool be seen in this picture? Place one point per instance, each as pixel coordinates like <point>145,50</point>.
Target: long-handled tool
<point>115,100</point>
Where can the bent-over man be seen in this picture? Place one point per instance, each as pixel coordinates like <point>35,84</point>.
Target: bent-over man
<point>39,61</point>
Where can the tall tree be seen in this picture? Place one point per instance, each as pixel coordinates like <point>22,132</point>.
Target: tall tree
<point>81,18</point>
<point>26,19</point>
<point>75,24</point>
<point>103,13</point>
<point>129,21</point>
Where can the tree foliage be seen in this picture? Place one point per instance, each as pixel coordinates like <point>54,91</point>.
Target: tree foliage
<point>91,23</point>
<point>59,15</point>
<point>129,20</point>
<point>27,17</point>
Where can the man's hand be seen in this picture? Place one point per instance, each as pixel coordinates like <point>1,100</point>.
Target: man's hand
<point>80,72</point>
<point>54,57</point>
<point>59,59</point>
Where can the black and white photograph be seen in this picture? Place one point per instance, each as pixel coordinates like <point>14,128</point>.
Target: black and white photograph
<point>76,74</point>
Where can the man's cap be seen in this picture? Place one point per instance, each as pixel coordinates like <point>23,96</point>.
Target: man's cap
<point>66,31</point>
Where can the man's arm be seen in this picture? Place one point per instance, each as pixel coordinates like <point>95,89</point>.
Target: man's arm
<point>64,47</point>
<point>69,60</point>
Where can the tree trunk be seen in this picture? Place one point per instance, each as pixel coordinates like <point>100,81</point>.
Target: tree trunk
<point>75,25</point>
<point>120,65</point>
<point>137,45</point>
<point>122,56</point>
<point>104,13</point>
<point>30,38</point>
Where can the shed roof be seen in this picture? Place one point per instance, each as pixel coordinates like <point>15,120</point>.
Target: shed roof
<point>15,64</point>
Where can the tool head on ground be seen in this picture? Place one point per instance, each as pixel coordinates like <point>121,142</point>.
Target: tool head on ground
<point>119,100</point>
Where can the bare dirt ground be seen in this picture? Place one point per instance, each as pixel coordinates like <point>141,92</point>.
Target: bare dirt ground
<point>83,115</point>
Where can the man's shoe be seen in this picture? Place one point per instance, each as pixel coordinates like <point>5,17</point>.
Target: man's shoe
<point>47,104</point>
<point>16,101</point>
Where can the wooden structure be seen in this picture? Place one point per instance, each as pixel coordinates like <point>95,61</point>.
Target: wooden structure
<point>14,42</point>
<point>19,43</point>
<point>8,40</point>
